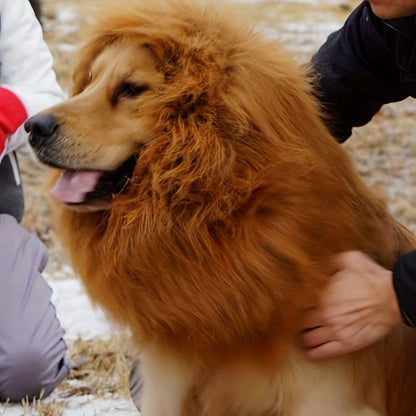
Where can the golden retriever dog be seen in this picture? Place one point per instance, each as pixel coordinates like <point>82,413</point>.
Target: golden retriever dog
<point>201,198</point>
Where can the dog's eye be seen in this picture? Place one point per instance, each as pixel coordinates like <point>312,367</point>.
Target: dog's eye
<point>128,90</point>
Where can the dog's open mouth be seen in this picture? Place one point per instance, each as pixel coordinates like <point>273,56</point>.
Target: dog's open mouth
<point>95,188</point>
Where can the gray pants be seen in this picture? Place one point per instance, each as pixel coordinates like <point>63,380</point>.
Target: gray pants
<point>32,349</point>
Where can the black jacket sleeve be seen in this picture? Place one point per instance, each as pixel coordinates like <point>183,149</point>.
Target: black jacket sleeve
<point>355,72</point>
<point>404,281</point>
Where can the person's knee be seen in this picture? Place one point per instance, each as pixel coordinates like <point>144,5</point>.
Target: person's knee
<point>31,373</point>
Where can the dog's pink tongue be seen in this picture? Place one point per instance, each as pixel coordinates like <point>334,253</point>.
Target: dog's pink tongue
<point>73,185</point>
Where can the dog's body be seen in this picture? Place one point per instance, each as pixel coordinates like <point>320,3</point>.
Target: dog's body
<point>210,231</point>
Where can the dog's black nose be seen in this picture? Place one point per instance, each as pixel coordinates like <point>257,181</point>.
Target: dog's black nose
<point>41,127</point>
<point>44,124</point>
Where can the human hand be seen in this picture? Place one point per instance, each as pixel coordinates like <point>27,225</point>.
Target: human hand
<point>358,308</point>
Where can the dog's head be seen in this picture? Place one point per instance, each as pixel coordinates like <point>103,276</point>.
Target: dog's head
<point>173,91</point>
<point>96,136</point>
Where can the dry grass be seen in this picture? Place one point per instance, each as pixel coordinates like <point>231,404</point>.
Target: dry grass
<point>100,367</point>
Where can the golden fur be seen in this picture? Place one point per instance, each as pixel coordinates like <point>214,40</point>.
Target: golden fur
<point>220,240</point>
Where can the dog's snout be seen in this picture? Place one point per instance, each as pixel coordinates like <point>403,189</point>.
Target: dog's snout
<point>41,127</point>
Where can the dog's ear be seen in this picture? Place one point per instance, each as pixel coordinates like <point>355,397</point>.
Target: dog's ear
<point>82,73</point>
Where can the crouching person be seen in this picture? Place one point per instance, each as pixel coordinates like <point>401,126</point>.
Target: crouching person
<point>32,348</point>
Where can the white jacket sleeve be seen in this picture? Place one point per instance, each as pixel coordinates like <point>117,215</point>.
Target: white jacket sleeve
<point>26,62</point>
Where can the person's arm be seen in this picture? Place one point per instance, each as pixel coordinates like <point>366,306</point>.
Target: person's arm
<point>355,72</point>
<point>27,76</point>
<point>12,115</point>
<point>358,307</point>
